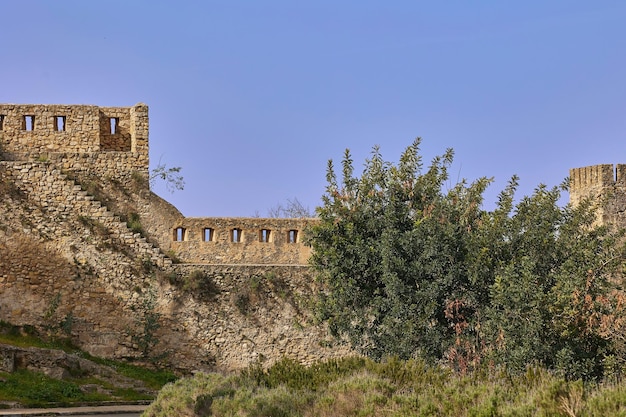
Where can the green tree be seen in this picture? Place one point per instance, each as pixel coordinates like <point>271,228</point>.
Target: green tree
<point>389,248</point>
<point>550,272</point>
<point>411,267</point>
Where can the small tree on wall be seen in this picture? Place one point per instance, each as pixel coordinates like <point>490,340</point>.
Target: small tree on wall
<point>174,181</point>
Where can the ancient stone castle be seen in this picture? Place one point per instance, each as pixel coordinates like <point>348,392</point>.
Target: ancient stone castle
<point>112,143</point>
<point>228,291</point>
<point>88,250</point>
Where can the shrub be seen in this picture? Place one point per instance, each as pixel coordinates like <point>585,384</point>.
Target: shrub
<point>134,223</point>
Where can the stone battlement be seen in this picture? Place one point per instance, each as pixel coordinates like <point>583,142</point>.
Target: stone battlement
<point>593,179</point>
<point>82,235</point>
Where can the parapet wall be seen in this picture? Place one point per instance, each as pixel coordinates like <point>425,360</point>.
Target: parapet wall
<point>604,183</point>
<point>232,240</point>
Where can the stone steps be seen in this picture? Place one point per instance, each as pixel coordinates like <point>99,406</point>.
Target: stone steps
<point>62,195</point>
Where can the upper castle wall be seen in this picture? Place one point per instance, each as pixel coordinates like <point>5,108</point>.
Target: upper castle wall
<point>29,131</point>
<point>112,143</point>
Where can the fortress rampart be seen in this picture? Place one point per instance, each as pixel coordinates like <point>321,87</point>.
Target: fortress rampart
<point>112,143</point>
<point>79,225</point>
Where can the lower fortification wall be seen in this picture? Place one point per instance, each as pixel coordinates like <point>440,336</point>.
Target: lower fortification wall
<point>242,314</point>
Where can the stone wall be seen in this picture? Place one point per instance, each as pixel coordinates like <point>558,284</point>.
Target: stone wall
<point>68,176</point>
<point>606,185</point>
<point>241,314</point>
<point>65,199</point>
<point>227,240</point>
<point>34,131</point>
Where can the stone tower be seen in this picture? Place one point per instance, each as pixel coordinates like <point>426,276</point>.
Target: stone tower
<point>607,184</point>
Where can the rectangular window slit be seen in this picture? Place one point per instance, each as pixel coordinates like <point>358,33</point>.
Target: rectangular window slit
<point>207,234</point>
<point>29,123</point>
<point>59,123</point>
<point>114,125</point>
<point>293,236</point>
<point>235,235</point>
<point>2,121</point>
<point>179,234</point>
<point>264,235</point>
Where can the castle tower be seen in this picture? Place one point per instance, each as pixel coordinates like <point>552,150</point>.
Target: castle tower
<point>110,141</point>
<point>604,183</point>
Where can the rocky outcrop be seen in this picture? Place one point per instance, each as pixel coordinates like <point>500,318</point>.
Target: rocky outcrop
<point>61,365</point>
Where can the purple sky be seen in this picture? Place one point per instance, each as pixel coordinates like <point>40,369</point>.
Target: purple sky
<point>253,98</point>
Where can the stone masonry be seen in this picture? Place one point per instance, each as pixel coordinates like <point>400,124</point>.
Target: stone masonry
<point>604,184</point>
<point>112,142</point>
<point>73,178</point>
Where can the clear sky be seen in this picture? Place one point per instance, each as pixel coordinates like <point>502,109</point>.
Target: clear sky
<point>252,98</point>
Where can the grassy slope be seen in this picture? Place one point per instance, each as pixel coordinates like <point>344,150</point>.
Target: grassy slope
<point>358,387</point>
<point>35,389</point>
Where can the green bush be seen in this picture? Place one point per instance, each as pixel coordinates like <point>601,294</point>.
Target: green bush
<point>134,223</point>
<point>412,266</point>
<point>393,387</point>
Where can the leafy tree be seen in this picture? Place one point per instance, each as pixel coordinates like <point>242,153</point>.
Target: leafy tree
<point>412,268</point>
<point>390,247</point>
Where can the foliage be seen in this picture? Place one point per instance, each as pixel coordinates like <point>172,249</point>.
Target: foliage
<point>57,328</point>
<point>134,223</point>
<point>197,283</point>
<point>174,181</point>
<point>362,387</point>
<point>33,389</point>
<point>263,289</point>
<point>414,268</point>
<point>153,378</point>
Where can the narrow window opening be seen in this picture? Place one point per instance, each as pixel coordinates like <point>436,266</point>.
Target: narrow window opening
<point>293,236</point>
<point>235,235</point>
<point>264,235</point>
<point>207,234</point>
<point>1,121</point>
<point>59,123</point>
<point>115,122</point>
<point>29,123</point>
<point>179,234</point>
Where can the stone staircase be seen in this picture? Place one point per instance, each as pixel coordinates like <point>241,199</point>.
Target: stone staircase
<point>64,198</point>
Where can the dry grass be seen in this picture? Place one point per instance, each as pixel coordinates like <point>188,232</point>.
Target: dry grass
<point>393,388</point>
